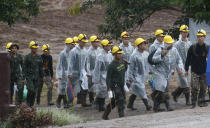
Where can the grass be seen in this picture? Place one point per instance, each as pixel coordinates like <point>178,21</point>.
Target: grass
<point>61,117</point>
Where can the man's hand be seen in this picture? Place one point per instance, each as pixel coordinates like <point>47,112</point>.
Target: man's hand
<point>186,74</point>
<point>164,52</point>
<point>70,76</point>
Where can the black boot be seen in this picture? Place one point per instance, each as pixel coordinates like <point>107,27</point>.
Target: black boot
<point>148,107</point>
<point>101,104</point>
<point>177,93</point>
<point>84,104</point>
<point>168,106</point>
<point>58,101</point>
<point>91,98</point>
<point>106,112</point>
<point>79,101</point>
<point>157,97</point>
<point>187,97</point>
<point>131,101</point>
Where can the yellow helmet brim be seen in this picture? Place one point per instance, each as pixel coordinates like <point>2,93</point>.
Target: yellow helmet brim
<point>84,40</point>
<point>34,46</point>
<point>120,52</point>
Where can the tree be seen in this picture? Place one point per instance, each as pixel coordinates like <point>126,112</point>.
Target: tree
<point>18,10</point>
<point>123,15</point>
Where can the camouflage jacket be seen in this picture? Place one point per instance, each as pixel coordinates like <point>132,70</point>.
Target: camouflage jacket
<point>16,64</point>
<point>33,67</point>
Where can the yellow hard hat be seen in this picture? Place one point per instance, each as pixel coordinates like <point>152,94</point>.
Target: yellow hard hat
<point>9,46</point>
<point>46,47</point>
<point>168,39</point>
<point>117,49</point>
<point>184,28</point>
<point>69,41</point>
<point>139,41</point>
<point>201,32</point>
<point>83,38</point>
<point>105,42</point>
<point>75,39</point>
<point>159,32</point>
<point>94,39</point>
<point>125,34</point>
<point>33,44</point>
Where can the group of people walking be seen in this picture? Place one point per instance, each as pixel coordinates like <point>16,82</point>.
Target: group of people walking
<point>109,71</point>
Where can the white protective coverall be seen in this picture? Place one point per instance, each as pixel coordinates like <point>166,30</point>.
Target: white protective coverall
<point>91,61</point>
<point>163,70</point>
<point>182,47</point>
<point>99,73</point>
<point>62,70</point>
<point>78,69</point>
<point>137,71</point>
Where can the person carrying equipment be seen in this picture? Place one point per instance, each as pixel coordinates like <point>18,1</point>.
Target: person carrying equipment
<point>115,79</point>
<point>77,69</point>
<point>32,71</point>
<point>61,72</point>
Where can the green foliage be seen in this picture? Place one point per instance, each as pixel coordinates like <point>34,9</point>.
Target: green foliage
<point>121,15</point>
<point>26,117</point>
<point>18,10</point>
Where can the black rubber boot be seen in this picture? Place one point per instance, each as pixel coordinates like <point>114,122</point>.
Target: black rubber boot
<point>101,102</point>
<point>79,101</point>
<point>148,107</point>
<point>131,101</point>
<point>168,106</point>
<point>91,97</point>
<point>177,93</point>
<point>83,98</point>
<point>106,112</point>
<point>156,97</point>
<point>187,98</point>
<point>58,101</point>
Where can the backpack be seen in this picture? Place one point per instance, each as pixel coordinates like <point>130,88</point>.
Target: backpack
<point>150,61</point>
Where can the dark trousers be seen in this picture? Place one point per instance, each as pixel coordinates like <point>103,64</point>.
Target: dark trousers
<point>19,93</point>
<point>39,90</point>
<point>118,99</point>
<point>30,98</point>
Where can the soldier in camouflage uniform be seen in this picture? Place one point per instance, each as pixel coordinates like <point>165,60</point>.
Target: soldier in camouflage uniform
<point>16,62</point>
<point>32,70</point>
<point>197,59</point>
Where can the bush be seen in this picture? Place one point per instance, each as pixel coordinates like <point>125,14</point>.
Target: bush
<point>26,117</point>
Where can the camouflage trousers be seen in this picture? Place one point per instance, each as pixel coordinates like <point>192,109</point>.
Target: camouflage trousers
<point>199,86</point>
<point>49,84</point>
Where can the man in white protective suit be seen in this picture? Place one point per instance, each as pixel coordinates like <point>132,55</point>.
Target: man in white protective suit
<point>93,52</point>
<point>168,59</point>
<point>137,72</point>
<point>61,72</point>
<point>182,45</point>
<point>99,74</point>
<point>77,70</point>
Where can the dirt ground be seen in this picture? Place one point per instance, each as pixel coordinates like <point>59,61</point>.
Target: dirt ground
<point>183,118</point>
